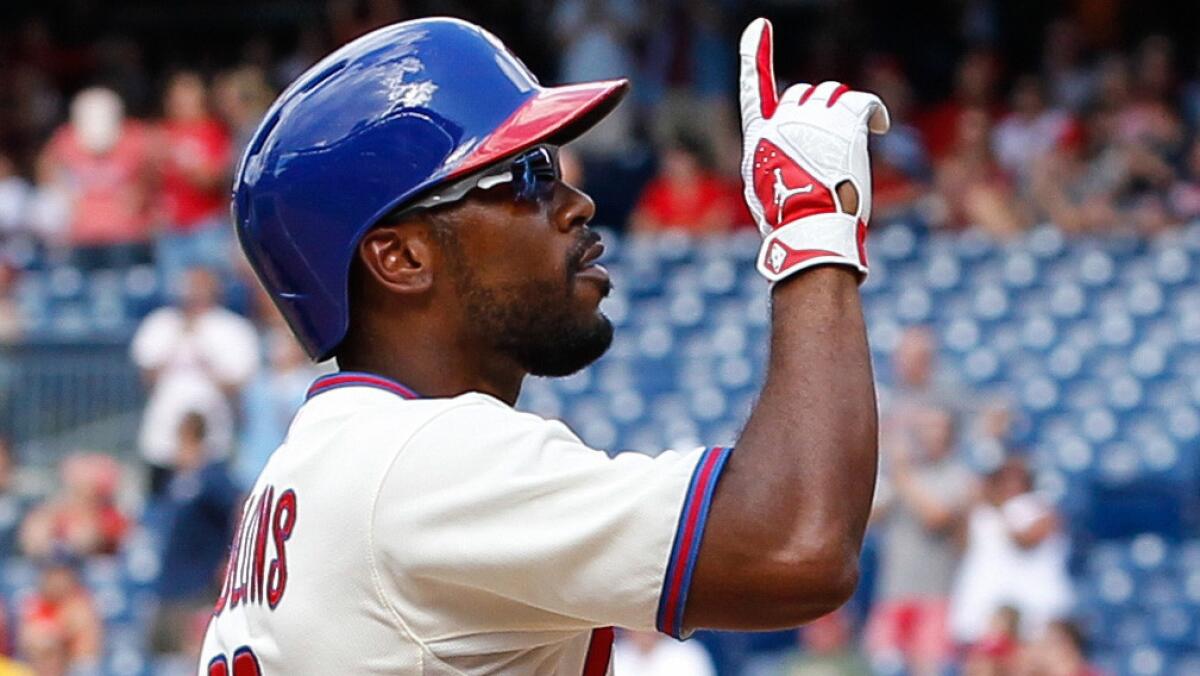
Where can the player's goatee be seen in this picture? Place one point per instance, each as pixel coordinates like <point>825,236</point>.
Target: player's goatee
<point>538,323</point>
<point>539,326</point>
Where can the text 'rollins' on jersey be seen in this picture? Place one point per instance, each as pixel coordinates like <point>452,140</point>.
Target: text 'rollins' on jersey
<point>258,569</point>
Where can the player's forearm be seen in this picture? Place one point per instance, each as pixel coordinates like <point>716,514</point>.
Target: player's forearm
<point>787,520</point>
<point>812,438</point>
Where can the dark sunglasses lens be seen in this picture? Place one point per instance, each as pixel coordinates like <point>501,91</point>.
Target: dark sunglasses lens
<point>534,175</point>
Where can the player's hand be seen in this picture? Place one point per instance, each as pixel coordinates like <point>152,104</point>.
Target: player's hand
<point>797,150</point>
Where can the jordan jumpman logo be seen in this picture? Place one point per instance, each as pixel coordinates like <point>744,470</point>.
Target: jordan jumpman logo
<point>784,193</point>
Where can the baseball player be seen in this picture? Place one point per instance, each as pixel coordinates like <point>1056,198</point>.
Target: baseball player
<point>402,203</point>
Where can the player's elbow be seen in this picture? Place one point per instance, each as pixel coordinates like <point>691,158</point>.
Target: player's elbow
<point>773,587</point>
<point>818,582</point>
<point>801,585</point>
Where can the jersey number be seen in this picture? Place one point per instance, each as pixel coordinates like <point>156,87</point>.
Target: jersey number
<point>244,664</point>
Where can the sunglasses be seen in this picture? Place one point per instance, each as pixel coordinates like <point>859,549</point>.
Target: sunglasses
<point>533,175</point>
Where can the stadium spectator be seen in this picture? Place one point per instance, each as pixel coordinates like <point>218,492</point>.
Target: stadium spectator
<point>1015,555</point>
<point>648,653</point>
<point>195,199</point>
<point>200,505</point>
<point>827,648</point>
<point>103,161</point>
<point>83,519</point>
<point>12,507</point>
<point>1045,593</point>
<point>242,95</point>
<point>1029,131</point>
<point>1076,187</point>
<point>971,189</point>
<point>194,356</point>
<point>61,632</point>
<point>916,384</point>
<point>269,402</point>
<point>686,195</point>
<point>15,193</point>
<point>918,510</point>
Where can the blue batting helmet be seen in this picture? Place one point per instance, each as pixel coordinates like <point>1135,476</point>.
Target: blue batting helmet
<point>373,125</point>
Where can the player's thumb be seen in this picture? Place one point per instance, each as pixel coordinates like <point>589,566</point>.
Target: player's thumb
<point>871,109</point>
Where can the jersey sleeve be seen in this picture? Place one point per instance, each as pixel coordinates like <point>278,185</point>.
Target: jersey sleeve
<point>517,520</point>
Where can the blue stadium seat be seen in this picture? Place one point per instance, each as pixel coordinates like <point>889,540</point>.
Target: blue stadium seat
<point>1045,242</point>
<point>1172,266</point>
<point>897,241</point>
<point>1145,660</point>
<point>65,282</point>
<point>1096,268</point>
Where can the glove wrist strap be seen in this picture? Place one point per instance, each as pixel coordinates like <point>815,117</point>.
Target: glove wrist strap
<point>824,239</point>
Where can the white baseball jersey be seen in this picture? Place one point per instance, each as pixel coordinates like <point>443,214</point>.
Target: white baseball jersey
<point>391,534</point>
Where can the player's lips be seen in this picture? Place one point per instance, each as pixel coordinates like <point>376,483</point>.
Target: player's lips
<point>591,255</point>
<point>596,273</point>
<point>586,266</point>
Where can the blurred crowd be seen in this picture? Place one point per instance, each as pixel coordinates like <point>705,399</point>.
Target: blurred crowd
<point>110,160</point>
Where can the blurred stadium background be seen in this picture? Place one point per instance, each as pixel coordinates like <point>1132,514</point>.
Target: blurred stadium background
<point>1033,307</point>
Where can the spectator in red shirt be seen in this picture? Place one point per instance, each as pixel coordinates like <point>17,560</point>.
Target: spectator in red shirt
<point>83,520</point>
<point>102,162</point>
<point>195,199</point>
<point>971,189</point>
<point>686,195</point>
<point>61,631</point>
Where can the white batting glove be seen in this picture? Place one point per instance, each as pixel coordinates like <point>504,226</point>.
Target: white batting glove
<point>796,150</point>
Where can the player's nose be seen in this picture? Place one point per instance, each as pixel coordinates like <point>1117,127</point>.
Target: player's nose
<point>573,208</point>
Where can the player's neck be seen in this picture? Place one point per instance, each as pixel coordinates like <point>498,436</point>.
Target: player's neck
<point>436,371</point>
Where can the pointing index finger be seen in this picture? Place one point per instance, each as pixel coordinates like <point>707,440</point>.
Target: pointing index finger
<point>758,97</point>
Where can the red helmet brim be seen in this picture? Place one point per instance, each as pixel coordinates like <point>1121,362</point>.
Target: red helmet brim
<point>552,115</point>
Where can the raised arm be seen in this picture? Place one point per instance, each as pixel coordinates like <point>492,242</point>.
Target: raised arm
<point>782,541</point>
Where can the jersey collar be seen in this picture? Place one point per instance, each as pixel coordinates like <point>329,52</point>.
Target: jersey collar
<point>335,381</point>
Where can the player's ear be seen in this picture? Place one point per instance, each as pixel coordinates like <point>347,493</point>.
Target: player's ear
<point>399,256</point>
